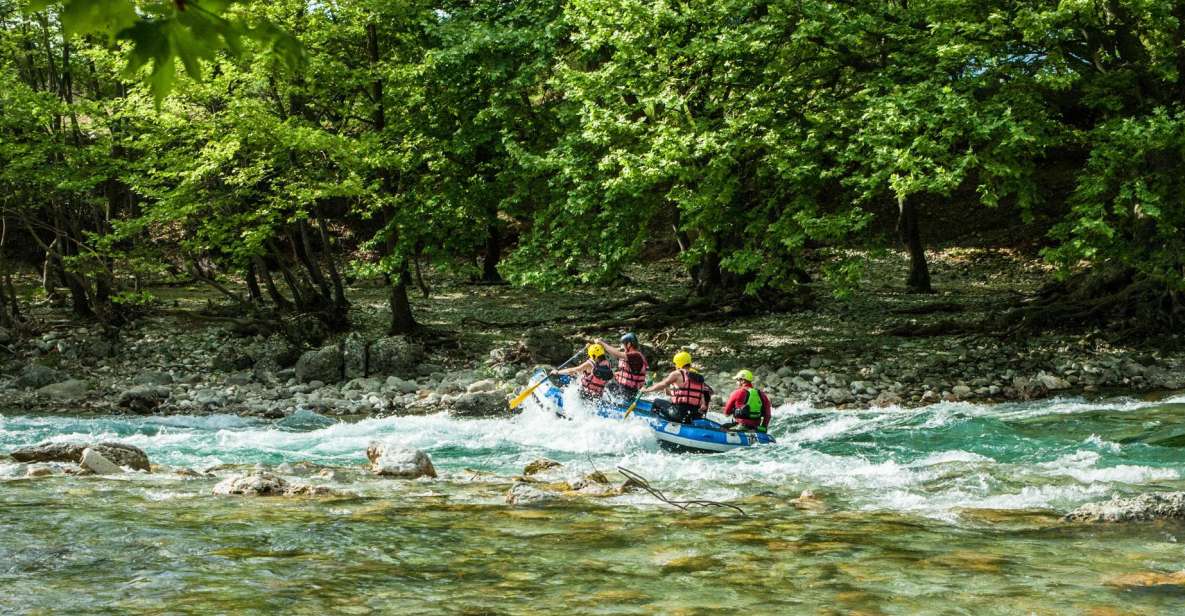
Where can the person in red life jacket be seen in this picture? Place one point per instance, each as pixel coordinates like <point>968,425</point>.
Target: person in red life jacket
<point>594,373</point>
<point>689,393</point>
<point>631,368</point>
<point>748,405</point>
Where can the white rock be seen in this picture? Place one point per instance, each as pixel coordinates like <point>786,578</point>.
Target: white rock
<point>393,461</point>
<point>39,470</point>
<point>97,464</point>
<point>524,494</point>
<point>482,385</point>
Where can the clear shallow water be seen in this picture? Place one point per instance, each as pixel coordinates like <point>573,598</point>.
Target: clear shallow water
<point>948,509</point>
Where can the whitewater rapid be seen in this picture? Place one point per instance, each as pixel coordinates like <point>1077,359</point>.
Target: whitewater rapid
<point>932,461</point>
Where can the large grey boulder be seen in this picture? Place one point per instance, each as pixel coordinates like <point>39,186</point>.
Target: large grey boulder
<point>35,376</point>
<point>393,461</point>
<point>124,455</point>
<point>482,404</point>
<point>324,364</point>
<point>1142,508</point>
<point>355,350</point>
<point>143,398</point>
<point>393,355</point>
<point>94,462</point>
<point>70,389</point>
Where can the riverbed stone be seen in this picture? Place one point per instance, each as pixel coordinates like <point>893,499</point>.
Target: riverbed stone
<point>539,465</point>
<point>355,350</point>
<point>39,470</point>
<point>324,364</point>
<point>70,389</point>
<point>35,376</point>
<point>488,404</point>
<point>153,377</point>
<point>1147,579</point>
<point>394,461</point>
<point>1142,508</point>
<point>482,386</point>
<point>838,395</point>
<point>1053,382</point>
<point>258,483</point>
<point>143,398</point>
<point>94,462</point>
<point>120,453</point>
<point>526,494</point>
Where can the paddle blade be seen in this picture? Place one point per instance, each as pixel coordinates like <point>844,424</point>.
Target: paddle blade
<point>519,399</point>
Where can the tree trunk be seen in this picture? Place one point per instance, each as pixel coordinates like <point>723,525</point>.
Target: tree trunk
<point>339,291</point>
<point>282,303</point>
<point>254,295</point>
<point>424,290</point>
<point>304,252</point>
<point>907,226</point>
<point>710,279</point>
<point>489,266</point>
<point>402,320</point>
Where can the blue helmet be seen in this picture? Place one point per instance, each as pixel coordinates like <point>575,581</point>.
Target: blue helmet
<point>629,338</point>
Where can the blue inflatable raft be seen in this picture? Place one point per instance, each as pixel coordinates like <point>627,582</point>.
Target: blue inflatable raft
<point>702,435</point>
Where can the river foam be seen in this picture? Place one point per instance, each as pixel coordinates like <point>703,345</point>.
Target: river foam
<point>930,461</point>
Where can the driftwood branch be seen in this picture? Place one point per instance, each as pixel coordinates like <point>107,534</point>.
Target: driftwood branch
<point>682,505</point>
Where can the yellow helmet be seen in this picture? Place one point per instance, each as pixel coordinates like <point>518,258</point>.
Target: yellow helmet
<point>744,375</point>
<point>682,358</point>
<point>595,351</point>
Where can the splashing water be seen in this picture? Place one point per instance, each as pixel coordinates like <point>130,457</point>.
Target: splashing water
<point>913,497</point>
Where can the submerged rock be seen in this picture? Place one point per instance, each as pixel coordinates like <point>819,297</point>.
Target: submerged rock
<point>540,465</point>
<point>525,494</point>
<point>94,462</point>
<point>1147,579</point>
<point>808,501</point>
<point>1145,507</point>
<point>258,483</point>
<point>123,455</point>
<point>39,470</point>
<point>392,461</point>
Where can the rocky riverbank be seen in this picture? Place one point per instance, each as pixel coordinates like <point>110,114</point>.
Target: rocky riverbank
<point>154,367</point>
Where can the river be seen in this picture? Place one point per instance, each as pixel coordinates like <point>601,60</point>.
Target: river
<point>951,509</point>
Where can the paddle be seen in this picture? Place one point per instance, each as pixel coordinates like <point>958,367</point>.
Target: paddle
<point>633,405</point>
<point>519,399</point>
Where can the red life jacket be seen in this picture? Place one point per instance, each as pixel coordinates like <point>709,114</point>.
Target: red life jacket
<point>626,377</point>
<point>593,383</point>
<point>692,391</point>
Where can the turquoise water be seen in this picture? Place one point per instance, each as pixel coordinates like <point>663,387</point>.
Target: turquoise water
<point>948,509</point>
